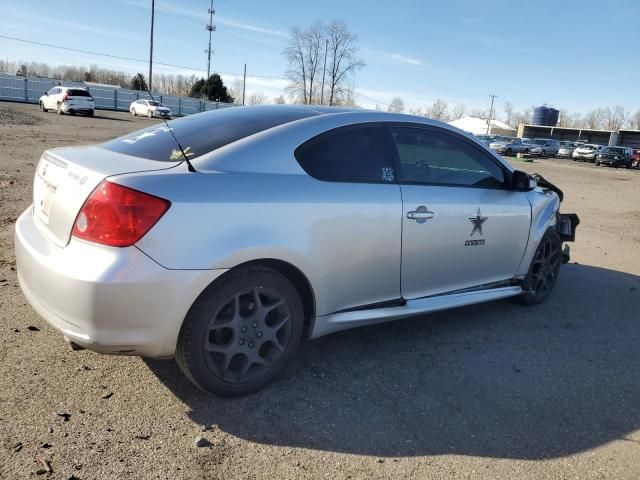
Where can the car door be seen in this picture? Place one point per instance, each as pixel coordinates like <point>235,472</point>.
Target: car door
<point>50,100</point>
<point>462,226</point>
<point>352,214</point>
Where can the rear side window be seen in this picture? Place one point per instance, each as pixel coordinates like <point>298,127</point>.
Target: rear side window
<point>76,92</point>
<point>428,156</point>
<point>349,154</point>
<point>204,132</point>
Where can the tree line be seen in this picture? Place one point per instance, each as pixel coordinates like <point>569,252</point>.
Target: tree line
<point>603,118</point>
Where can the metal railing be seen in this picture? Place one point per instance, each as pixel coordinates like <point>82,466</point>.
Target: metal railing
<point>30,89</point>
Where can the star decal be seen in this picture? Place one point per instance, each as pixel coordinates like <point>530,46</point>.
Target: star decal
<point>477,222</point>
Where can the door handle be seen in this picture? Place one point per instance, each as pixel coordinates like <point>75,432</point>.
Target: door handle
<point>420,215</point>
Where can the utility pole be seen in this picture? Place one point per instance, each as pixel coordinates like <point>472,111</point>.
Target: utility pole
<point>244,84</point>
<point>493,97</point>
<point>211,28</point>
<point>324,69</point>
<point>153,11</point>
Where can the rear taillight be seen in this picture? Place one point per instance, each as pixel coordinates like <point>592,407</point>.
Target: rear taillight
<point>65,97</point>
<point>118,216</point>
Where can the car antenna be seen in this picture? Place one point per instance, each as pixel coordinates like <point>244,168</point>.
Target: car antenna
<point>184,155</point>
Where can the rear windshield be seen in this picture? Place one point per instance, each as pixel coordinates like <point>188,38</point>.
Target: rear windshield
<point>204,132</point>
<point>76,92</point>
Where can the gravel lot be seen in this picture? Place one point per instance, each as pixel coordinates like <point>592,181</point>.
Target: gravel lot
<point>491,391</point>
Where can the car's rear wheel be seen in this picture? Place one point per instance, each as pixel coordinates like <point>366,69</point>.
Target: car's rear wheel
<point>42,107</point>
<point>241,332</point>
<point>544,269</point>
<point>149,113</point>
<point>509,152</point>
<point>133,112</point>
<point>91,113</point>
<point>59,110</point>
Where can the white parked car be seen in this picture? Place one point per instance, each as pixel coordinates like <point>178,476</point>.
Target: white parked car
<point>587,153</point>
<point>149,108</point>
<point>70,100</point>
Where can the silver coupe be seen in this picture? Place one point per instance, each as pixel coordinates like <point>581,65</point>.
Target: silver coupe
<point>226,238</point>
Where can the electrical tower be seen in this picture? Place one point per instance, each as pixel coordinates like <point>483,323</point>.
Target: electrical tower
<point>211,28</point>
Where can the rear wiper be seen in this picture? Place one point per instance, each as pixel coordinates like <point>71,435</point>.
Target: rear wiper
<point>184,155</point>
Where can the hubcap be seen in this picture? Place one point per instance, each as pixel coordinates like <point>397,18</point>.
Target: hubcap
<point>545,267</point>
<point>248,334</point>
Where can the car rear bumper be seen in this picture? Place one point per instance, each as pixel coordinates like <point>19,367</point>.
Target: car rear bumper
<point>76,107</point>
<point>110,300</point>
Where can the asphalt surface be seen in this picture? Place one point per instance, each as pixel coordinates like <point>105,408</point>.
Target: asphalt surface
<point>490,391</point>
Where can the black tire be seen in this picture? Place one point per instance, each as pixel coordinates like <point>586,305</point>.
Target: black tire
<point>133,112</point>
<point>509,152</point>
<point>71,112</point>
<point>597,163</point>
<point>42,109</point>
<point>59,110</point>
<point>224,338</point>
<point>149,114</point>
<point>91,113</point>
<point>543,271</point>
<point>543,153</point>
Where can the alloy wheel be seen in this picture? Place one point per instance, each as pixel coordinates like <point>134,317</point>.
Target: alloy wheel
<point>545,267</point>
<point>247,335</point>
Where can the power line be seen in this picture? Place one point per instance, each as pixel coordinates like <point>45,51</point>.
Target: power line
<point>118,57</point>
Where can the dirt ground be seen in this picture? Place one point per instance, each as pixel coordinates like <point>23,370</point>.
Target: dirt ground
<point>491,391</point>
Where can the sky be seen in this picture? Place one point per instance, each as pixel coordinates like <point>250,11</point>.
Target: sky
<point>570,54</point>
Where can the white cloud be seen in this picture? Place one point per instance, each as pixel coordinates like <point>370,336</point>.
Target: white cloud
<point>396,57</point>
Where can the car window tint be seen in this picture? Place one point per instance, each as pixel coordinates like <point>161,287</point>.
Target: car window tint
<point>204,132</point>
<point>76,92</point>
<point>432,157</point>
<point>351,154</point>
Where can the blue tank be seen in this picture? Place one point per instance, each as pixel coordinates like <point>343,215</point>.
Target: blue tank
<point>545,116</point>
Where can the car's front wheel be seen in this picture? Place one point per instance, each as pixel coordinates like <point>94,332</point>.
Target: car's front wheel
<point>133,112</point>
<point>149,113</point>
<point>544,269</point>
<point>42,107</point>
<point>241,332</point>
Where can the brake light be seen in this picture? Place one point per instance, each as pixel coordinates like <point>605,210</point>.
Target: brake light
<point>65,97</point>
<point>118,216</point>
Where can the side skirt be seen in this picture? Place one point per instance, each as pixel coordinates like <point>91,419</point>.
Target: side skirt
<point>327,324</point>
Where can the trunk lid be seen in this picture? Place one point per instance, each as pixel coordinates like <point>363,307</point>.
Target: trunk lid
<point>65,177</point>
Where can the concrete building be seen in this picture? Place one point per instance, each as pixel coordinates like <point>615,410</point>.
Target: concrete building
<point>625,138</point>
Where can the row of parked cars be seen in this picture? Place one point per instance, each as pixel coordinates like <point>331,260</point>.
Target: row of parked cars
<point>74,100</point>
<point>579,151</point>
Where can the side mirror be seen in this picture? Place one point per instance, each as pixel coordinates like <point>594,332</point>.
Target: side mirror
<point>522,181</point>
<point>46,94</point>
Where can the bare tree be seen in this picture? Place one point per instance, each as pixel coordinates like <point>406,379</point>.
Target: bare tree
<point>635,123</point>
<point>304,56</point>
<point>438,111</point>
<point>257,98</point>
<point>416,111</point>
<point>479,113</point>
<point>508,111</point>
<point>594,119</point>
<point>343,61</point>
<point>237,91</point>
<point>458,111</point>
<point>615,117</point>
<point>279,100</point>
<point>396,105</point>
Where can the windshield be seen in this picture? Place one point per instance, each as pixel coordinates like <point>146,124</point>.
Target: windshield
<point>202,133</point>
<point>588,147</point>
<point>614,150</point>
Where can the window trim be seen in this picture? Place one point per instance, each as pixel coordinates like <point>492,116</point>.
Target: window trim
<point>387,140</point>
<point>506,185</point>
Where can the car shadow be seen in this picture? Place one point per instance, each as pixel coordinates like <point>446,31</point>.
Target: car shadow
<point>495,380</point>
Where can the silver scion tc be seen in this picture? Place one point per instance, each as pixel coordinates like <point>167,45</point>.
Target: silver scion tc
<point>290,222</point>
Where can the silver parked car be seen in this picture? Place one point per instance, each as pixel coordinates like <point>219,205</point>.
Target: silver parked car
<point>508,146</point>
<point>566,149</point>
<point>544,147</point>
<point>269,225</point>
<point>587,152</point>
